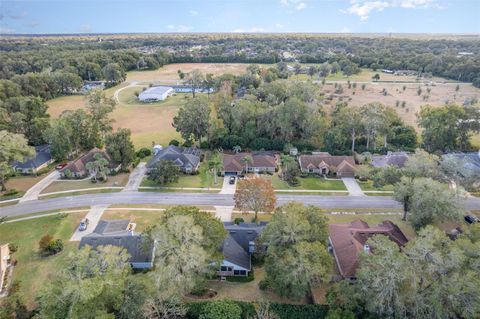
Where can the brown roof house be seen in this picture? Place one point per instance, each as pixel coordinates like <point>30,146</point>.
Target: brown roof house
<point>4,263</point>
<point>78,169</point>
<point>348,240</point>
<point>235,164</point>
<point>325,164</point>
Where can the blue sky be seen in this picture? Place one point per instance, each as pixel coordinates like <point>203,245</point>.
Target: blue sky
<point>348,16</point>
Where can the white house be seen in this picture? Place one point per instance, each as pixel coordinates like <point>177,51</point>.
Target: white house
<point>156,93</point>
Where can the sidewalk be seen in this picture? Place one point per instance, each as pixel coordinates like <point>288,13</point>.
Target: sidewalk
<point>36,189</point>
<point>94,216</point>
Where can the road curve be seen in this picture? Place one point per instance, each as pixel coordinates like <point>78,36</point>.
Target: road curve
<point>207,199</point>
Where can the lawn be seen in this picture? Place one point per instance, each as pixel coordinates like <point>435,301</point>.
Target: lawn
<point>58,186</point>
<point>368,186</point>
<point>307,183</point>
<point>23,183</point>
<point>142,218</point>
<point>203,179</point>
<point>33,271</point>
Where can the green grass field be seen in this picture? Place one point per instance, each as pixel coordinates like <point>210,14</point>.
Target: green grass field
<point>307,183</point>
<point>32,270</point>
<point>368,186</point>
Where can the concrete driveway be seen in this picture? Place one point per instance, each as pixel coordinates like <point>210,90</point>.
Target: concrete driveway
<point>227,188</point>
<point>135,178</point>
<point>352,186</point>
<point>36,189</point>
<point>94,216</point>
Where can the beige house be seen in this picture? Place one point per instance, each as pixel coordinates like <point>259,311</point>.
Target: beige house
<point>4,262</point>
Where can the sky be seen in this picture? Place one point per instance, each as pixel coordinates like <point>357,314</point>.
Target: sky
<point>319,16</point>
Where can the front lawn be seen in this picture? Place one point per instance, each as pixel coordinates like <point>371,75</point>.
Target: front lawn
<point>204,179</point>
<point>66,185</point>
<point>368,186</point>
<point>307,183</point>
<point>32,270</point>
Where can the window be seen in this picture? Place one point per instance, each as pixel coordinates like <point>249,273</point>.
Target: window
<point>242,272</point>
<point>223,268</point>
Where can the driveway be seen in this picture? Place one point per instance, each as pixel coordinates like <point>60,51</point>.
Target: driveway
<point>135,178</point>
<point>227,188</point>
<point>94,216</point>
<point>36,189</point>
<point>352,186</point>
<point>224,213</point>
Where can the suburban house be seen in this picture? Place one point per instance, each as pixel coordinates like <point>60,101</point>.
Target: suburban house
<point>325,164</point>
<point>238,247</point>
<point>32,165</point>
<point>347,241</point>
<point>187,159</point>
<point>121,233</point>
<point>78,169</point>
<point>4,263</point>
<point>472,159</point>
<point>391,159</point>
<point>156,93</point>
<point>189,89</point>
<point>260,162</point>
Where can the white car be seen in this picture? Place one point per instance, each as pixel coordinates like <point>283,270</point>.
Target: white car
<point>83,225</point>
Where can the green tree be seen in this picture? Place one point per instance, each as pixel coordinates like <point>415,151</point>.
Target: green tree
<point>112,72</point>
<point>164,172</point>
<point>215,164</point>
<point>99,106</point>
<point>221,309</point>
<point>98,168</point>
<point>120,147</point>
<point>193,119</point>
<point>58,136</point>
<point>13,147</point>
<point>195,79</point>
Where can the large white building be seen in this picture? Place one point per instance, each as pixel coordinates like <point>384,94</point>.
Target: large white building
<point>156,93</point>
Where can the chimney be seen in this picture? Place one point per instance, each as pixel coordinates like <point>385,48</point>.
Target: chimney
<point>366,248</point>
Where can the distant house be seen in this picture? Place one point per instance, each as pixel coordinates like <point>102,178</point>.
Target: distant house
<point>120,233</point>
<point>91,85</point>
<point>472,159</point>
<point>397,159</point>
<point>347,241</point>
<point>156,93</point>
<point>238,247</point>
<point>189,89</point>
<point>41,160</point>
<point>324,164</point>
<point>387,71</point>
<point>187,159</point>
<point>78,168</point>
<point>4,263</point>
<point>234,164</point>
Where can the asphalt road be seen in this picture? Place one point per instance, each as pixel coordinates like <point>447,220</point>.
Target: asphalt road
<point>207,199</point>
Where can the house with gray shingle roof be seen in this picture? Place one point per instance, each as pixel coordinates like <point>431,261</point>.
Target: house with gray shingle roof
<point>238,247</point>
<point>32,165</point>
<point>391,159</point>
<point>187,159</point>
<point>260,162</point>
<point>120,233</point>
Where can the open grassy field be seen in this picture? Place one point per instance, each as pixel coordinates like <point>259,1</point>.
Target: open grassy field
<point>66,185</point>
<point>32,270</point>
<point>307,183</point>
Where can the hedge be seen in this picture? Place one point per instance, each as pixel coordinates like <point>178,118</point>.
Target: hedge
<point>283,311</point>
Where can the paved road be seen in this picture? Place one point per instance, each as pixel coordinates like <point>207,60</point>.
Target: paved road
<point>207,199</point>
<point>35,190</point>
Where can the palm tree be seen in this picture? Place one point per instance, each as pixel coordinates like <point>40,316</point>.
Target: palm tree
<point>215,164</point>
<point>237,149</point>
<point>286,160</point>
<point>247,160</point>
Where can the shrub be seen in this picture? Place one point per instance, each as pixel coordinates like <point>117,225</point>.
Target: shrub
<point>10,192</point>
<point>143,152</point>
<point>248,278</point>
<point>287,311</point>
<point>204,145</point>
<point>221,309</point>
<point>55,246</point>
<point>44,241</point>
<point>174,143</point>
<point>13,247</point>
<point>264,284</point>
<point>238,220</point>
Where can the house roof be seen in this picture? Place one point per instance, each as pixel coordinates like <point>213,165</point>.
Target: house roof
<point>115,233</point>
<point>392,159</point>
<point>472,159</point>
<point>235,163</point>
<point>348,241</point>
<point>236,245</point>
<point>180,156</point>
<point>155,92</point>
<point>78,165</point>
<point>319,161</point>
<point>42,156</point>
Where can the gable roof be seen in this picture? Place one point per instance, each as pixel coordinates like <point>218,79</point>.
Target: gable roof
<point>235,163</point>
<point>235,247</point>
<point>115,233</point>
<point>155,92</point>
<point>348,241</point>
<point>392,159</point>
<point>79,165</point>
<point>307,161</point>
<point>42,156</point>
<point>180,156</point>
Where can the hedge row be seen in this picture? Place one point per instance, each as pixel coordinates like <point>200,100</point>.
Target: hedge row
<point>283,311</point>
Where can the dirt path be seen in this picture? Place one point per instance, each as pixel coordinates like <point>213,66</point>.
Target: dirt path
<point>117,92</point>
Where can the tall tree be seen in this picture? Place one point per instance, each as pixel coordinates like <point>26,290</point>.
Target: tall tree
<point>193,119</point>
<point>164,172</point>
<point>255,194</point>
<point>99,107</point>
<point>215,164</point>
<point>120,147</point>
<point>13,147</point>
<point>98,167</point>
<point>195,79</point>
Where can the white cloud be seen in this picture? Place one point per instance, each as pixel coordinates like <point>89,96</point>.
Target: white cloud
<point>300,6</point>
<point>179,28</point>
<point>85,28</point>
<point>279,26</point>
<point>33,24</point>
<point>17,15</point>
<point>363,8</point>
<point>193,12</point>
<point>250,30</point>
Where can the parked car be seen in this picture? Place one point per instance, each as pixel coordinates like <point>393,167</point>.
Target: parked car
<point>231,180</point>
<point>83,225</point>
<point>471,219</point>
<point>60,166</point>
